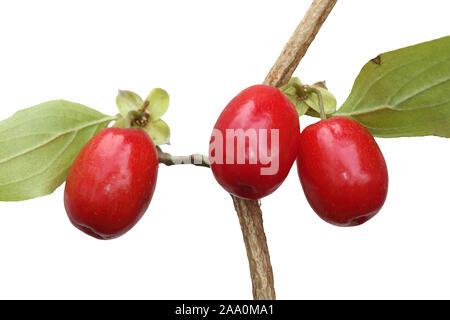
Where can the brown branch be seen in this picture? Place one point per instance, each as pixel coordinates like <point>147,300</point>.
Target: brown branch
<point>249,211</point>
<point>299,43</point>
<point>250,218</point>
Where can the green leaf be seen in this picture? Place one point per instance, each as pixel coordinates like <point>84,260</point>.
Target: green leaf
<point>39,144</point>
<point>127,101</point>
<point>405,92</point>
<point>158,131</point>
<point>158,103</point>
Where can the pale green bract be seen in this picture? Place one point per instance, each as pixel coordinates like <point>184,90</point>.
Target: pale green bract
<point>127,101</point>
<point>308,102</point>
<point>290,92</point>
<point>159,103</point>
<point>39,144</point>
<point>405,92</point>
<point>158,131</point>
<point>156,104</point>
<point>329,102</point>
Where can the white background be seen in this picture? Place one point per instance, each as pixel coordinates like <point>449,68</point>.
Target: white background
<point>189,243</point>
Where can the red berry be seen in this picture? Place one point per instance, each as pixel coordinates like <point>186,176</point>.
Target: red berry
<point>111,182</point>
<point>342,171</point>
<point>259,134</point>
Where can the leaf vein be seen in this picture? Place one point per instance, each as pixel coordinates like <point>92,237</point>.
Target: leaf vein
<point>414,78</point>
<point>74,134</point>
<point>380,78</point>
<point>422,90</point>
<point>106,119</point>
<point>18,124</point>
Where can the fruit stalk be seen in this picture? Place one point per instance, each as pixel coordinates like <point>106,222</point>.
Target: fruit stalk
<point>194,159</point>
<point>249,211</point>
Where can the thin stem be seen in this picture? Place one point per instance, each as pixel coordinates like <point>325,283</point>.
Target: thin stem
<point>323,114</point>
<point>194,159</point>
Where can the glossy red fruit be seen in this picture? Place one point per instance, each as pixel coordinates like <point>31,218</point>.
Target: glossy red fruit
<point>254,142</point>
<point>111,182</point>
<point>342,171</point>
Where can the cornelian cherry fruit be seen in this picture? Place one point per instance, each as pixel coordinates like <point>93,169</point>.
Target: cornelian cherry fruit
<point>111,182</point>
<point>342,171</point>
<point>254,142</point>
